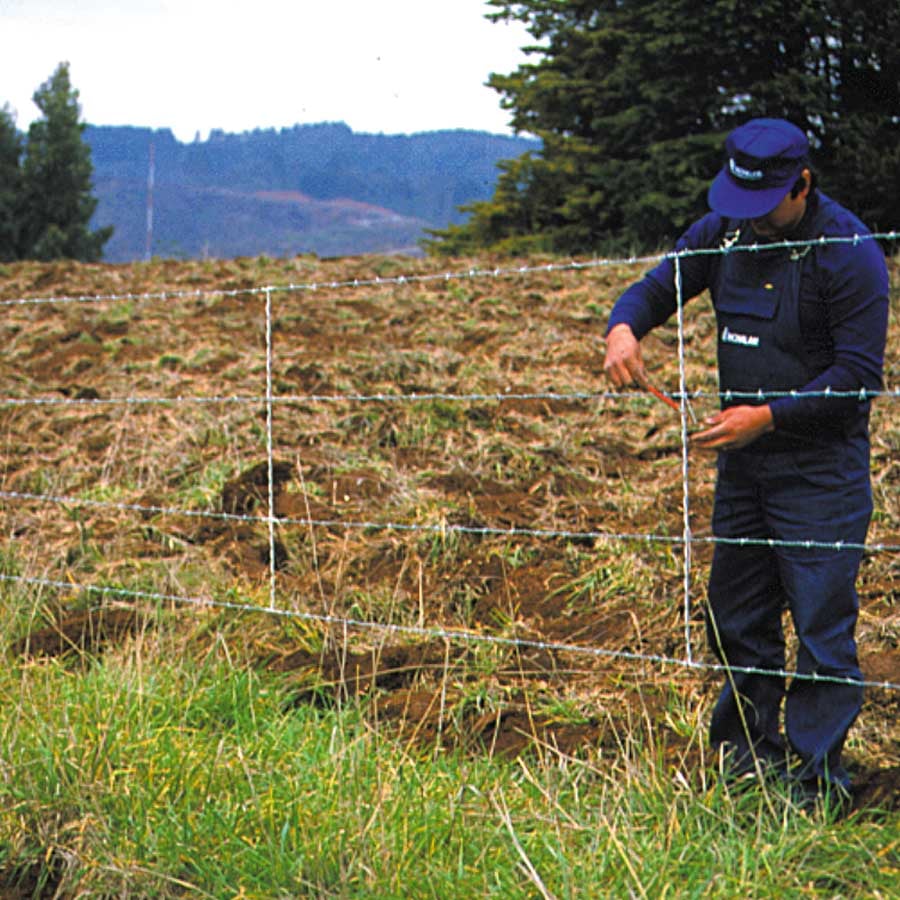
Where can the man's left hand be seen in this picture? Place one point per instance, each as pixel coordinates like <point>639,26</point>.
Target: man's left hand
<point>734,428</point>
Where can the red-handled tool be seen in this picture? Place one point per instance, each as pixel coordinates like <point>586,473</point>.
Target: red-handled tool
<point>669,401</point>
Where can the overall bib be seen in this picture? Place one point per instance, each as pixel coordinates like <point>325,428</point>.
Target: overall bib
<point>793,489</point>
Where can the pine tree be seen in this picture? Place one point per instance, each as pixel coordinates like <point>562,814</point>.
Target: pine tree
<point>10,185</point>
<point>56,179</point>
<point>632,100</point>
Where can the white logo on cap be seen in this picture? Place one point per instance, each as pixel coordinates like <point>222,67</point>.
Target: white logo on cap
<point>741,172</point>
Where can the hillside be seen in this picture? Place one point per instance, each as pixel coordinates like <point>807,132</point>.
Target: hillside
<point>319,189</point>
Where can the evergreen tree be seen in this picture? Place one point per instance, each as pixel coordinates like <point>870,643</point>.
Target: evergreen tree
<point>10,185</point>
<point>57,203</point>
<point>632,100</point>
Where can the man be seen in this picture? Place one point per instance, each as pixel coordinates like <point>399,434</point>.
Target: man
<point>793,463</point>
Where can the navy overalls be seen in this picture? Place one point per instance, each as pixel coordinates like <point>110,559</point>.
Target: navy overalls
<point>793,489</point>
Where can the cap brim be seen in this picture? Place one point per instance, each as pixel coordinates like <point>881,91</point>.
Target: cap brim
<point>730,200</point>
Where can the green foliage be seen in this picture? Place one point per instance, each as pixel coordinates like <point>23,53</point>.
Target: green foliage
<point>632,100</point>
<point>50,192</point>
<point>160,776</point>
<point>10,184</point>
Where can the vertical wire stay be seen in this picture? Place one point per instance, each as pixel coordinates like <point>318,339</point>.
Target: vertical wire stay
<point>269,452</point>
<point>685,464</point>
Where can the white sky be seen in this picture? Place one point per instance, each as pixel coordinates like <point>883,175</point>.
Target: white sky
<point>389,66</point>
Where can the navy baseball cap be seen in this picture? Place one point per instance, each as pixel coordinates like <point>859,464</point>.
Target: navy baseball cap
<point>765,158</point>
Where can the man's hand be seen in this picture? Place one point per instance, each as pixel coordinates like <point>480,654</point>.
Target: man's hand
<point>624,365</point>
<point>734,428</point>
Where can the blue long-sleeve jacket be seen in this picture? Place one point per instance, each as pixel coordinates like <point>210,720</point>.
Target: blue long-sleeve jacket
<point>843,310</point>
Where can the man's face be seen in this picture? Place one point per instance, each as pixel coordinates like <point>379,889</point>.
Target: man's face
<point>786,216</point>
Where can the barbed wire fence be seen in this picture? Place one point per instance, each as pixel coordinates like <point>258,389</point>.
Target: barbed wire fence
<point>269,400</point>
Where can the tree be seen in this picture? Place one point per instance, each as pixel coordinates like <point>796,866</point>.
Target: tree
<point>10,185</point>
<point>632,100</point>
<point>57,203</point>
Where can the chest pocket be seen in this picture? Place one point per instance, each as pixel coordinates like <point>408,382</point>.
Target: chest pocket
<point>755,285</point>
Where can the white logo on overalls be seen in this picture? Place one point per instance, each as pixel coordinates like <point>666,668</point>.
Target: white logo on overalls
<point>735,337</point>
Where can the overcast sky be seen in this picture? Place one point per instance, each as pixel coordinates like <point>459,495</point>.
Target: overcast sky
<point>389,66</point>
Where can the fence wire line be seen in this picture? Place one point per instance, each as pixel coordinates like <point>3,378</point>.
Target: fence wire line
<point>270,477</point>
<point>683,395</point>
<point>862,395</point>
<point>685,465</point>
<point>447,634</point>
<point>444,528</point>
<point>315,286</point>
<point>469,274</point>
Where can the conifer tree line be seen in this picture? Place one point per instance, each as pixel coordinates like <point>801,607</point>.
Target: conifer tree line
<point>45,181</point>
<point>632,100</point>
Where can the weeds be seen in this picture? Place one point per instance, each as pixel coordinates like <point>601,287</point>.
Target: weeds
<point>158,778</point>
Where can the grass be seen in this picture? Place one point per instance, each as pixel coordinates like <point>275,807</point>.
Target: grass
<point>157,772</point>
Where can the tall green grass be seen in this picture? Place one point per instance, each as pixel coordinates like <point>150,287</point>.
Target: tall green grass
<point>173,768</point>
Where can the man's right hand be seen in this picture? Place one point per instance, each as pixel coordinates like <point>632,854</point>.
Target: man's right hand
<point>624,365</point>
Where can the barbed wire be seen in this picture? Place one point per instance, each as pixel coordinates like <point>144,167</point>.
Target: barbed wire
<point>862,395</point>
<point>333,284</point>
<point>439,633</point>
<point>446,276</point>
<point>447,527</point>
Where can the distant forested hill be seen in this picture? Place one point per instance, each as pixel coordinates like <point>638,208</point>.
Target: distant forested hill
<point>308,189</point>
